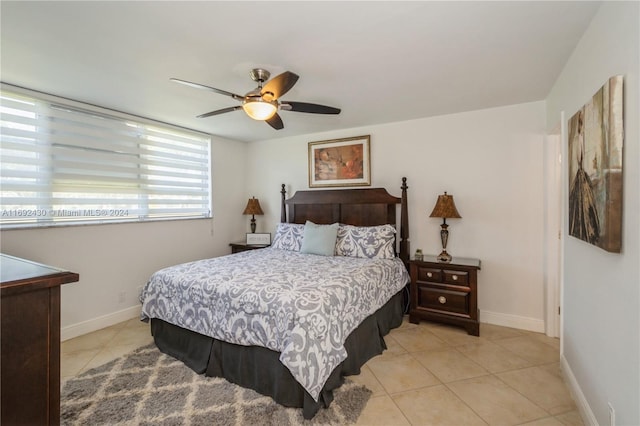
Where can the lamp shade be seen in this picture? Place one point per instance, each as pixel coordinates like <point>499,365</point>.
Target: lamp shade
<point>253,207</point>
<point>445,207</point>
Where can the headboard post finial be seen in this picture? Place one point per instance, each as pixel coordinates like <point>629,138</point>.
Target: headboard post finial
<point>283,208</point>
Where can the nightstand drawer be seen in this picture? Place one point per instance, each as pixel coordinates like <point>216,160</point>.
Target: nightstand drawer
<point>429,274</point>
<point>456,277</point>
<point>443,300</point>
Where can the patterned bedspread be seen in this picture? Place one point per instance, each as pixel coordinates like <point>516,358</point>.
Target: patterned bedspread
<point>301,305</point>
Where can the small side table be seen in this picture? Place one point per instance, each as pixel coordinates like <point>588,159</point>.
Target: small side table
<point>242,246</point>
<point>446,292</point>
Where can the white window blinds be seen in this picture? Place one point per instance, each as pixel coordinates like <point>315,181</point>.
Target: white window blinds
<point>63,162</point>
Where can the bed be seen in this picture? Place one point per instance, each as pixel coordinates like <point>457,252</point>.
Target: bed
<point>285,321</point>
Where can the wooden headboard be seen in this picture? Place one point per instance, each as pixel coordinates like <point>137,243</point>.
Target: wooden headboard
<point>358,207</point>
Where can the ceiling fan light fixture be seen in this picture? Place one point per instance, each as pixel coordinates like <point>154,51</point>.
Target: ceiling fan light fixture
<point>259,109</point>
<point>263,102</point>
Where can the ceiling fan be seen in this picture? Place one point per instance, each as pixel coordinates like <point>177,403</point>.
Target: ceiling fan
<point>263,102</point>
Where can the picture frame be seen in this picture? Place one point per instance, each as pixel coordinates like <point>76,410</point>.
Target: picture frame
<point>340,162</point>
<point>258,238</point>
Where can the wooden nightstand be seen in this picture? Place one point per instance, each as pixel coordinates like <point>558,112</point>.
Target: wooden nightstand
<point>242,246</point>
<point>446,292</point>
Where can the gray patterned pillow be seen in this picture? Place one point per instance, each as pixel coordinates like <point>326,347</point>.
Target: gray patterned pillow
<point>372,242</point>
<point>288,236</point>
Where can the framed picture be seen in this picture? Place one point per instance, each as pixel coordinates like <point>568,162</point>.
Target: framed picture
<point>340,162</point>
<point>596,136</point>
<point>258,239</point>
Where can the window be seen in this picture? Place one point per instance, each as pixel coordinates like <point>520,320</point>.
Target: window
<point>63,162</point>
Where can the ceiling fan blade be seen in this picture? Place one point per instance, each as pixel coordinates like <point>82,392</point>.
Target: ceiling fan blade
<point>202,86</point>
<point>307,107</point>
<point>278,85</point>
<point>220,111</point>
<point>275,122</point>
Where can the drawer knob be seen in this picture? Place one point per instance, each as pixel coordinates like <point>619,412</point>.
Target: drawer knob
<point>455,277</point>
<point>442,299</point>
<point>429,274</point>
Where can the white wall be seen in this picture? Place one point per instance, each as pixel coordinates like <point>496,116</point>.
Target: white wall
<point>601,320</point>
<point>491,161</point>
<point>117,259</point>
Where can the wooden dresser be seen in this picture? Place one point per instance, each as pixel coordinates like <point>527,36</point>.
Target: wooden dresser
<point>30,341</point>
<point>446,292</point>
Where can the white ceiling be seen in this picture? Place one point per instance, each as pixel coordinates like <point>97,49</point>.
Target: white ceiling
<point>377,61</point>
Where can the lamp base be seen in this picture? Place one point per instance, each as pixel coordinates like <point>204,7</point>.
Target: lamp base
<point>444,257</point>
<point>444,236</point>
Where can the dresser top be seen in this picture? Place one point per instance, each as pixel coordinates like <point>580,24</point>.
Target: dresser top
<point>14,269</point>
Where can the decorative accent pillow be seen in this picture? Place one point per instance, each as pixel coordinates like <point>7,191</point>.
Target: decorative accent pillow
<point>319,239</point>
<point>288,236</point>
<point>371,242</point>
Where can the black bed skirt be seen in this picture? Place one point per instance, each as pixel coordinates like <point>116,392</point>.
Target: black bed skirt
<point>260,369</point>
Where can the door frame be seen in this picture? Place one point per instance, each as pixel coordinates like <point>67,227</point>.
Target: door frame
<point>554,235</point>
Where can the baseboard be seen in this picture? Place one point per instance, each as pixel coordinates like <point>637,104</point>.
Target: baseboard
<point>513,321</point>
<point>588,418</point>
<point>75,330</point>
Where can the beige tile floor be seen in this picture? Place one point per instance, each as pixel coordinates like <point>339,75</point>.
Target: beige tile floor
<point>431,374</point>
<point>94,349</point>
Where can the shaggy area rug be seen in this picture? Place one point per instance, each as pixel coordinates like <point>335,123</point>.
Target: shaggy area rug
<point>147,387</point>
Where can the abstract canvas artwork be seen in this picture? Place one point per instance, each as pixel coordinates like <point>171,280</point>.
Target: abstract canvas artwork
<point>596,134</point>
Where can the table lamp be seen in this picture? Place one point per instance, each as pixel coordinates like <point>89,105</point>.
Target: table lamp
<point>253,208</point>
<point>446,209</point>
